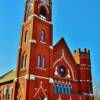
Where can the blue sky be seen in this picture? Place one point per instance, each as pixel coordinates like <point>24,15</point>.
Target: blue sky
<point>78,21</point>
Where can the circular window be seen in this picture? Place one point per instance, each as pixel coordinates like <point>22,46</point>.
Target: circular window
<point>62,70</point>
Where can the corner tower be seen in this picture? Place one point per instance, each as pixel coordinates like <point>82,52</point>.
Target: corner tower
<point>83,61</point>
<point>35,52</point>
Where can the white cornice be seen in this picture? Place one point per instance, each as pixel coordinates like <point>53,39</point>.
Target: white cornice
<point>32,77</point>
<point>51,80</point>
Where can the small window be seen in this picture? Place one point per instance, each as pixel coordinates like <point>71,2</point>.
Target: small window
<point>39,61</point>
<point>26,36</point>
<point>22,61</point>
<point>43,62</point>
<point>42,36</point>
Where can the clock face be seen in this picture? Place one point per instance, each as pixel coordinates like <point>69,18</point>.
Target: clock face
<point>62,70</point>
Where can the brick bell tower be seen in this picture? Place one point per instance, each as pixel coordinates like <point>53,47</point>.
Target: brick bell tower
<point>35,52</point>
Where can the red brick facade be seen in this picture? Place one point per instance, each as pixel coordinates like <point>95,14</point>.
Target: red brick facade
<point>44,71</point>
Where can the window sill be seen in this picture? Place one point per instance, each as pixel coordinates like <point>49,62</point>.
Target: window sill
<point>42,42</point>
<point>42,68</point>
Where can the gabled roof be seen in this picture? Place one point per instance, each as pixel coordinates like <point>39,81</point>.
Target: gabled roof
<point>62,45</point>
<point>62,39</point>
<point>8,77</point>
<point>62,42</point>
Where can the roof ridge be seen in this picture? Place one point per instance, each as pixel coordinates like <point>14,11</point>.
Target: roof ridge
<point>6,73</point>
<point>62,38</point>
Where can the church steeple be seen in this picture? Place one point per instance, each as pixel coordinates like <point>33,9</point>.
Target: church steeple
<point>36,40</point>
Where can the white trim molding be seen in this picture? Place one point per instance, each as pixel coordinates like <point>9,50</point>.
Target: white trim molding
<point>15,79</point>
<point>32,41</point>
<point>32,77</point>
<point>51,80</point>
<point>42,42</point>
<point>27,77</point>
<point>51,47</point>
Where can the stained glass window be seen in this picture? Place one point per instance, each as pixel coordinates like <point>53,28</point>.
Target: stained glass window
<point>55,88</point>
<point>68,90</point>
<point>63,89</point>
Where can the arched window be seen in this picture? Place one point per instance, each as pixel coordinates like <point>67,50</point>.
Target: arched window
<point>39,61</point>
<point>25,62</point>
<point>55,88</point>
<point>59,89</point>
<point>43,62</point>
<point>43,11</point>
<point>26,36</point>
<point>5,90</point>
<point>8,94</point>
<point>42,36</point>
<point>63,89</point>
<point>2,95</point>
<point>22,61</point>
<point>68,90</point>
<point>10,90</point>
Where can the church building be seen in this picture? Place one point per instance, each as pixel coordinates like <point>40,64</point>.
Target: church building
<point>45,71</point>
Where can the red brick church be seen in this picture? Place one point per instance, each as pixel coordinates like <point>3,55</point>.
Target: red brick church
<point>44,71</point>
